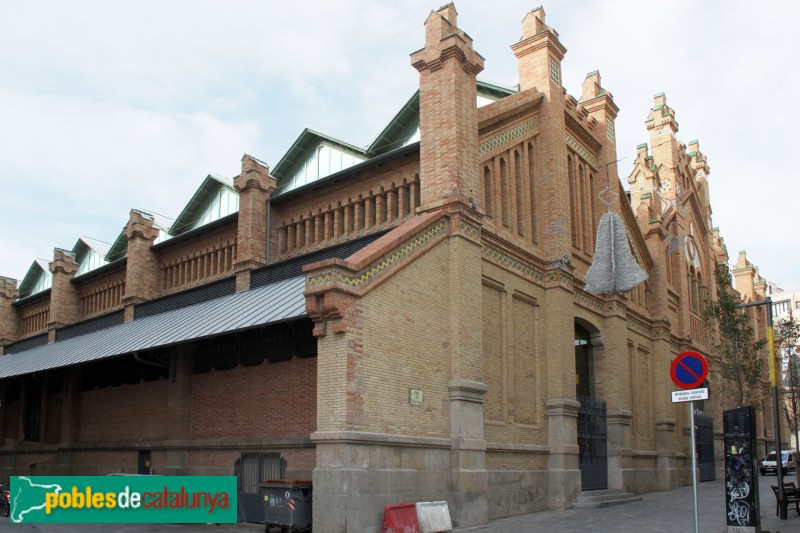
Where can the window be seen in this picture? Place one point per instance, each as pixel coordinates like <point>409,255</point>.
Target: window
<point>555,71</point>
<point>780,308</point>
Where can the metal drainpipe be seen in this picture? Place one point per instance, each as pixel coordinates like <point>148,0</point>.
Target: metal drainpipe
<point>269,233</point>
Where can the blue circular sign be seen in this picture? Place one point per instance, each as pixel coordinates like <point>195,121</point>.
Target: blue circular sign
<point>689,370</point>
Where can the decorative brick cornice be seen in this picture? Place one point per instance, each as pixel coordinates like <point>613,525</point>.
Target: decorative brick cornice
<point>615,307</point>
<point>344,276</point>
<point>141,225</point>
<point>636,325</point>
<point>544,39</point>
<point>588,300</point>
<point>8,288</point>
<point>255,175</point>
<point>504,138</point>
<point>453,46</point>
<point>247,264</point>
<point>603,102</point>
<point>334,285</point>
<point>580,150</point>
<point>558,277</point>
<point>503,254</point>
<point>63,262</point>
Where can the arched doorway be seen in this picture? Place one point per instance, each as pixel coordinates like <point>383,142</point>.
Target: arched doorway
<point>592,427</point>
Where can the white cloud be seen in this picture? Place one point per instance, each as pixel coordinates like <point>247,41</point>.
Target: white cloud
<point>111,105</point>
<point>77,168</point>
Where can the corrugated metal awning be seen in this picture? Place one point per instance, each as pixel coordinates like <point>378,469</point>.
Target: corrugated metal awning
<point>276,302</point>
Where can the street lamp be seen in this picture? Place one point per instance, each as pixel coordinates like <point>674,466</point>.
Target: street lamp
<point>773,379</point>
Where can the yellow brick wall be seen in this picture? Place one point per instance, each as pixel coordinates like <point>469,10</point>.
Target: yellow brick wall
<point>405,346</point>
<point>513,359</point>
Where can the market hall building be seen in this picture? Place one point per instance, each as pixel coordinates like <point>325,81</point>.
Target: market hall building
<point>401,322</point>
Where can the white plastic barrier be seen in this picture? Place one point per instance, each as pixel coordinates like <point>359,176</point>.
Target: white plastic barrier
<point>434,517</point>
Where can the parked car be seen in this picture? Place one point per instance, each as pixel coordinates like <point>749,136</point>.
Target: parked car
<point>787,462</point>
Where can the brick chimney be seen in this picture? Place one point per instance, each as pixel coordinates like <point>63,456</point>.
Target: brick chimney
<point>141,281</point>
<point>447,67</point>
<point>254,185</point>
<point>744,275</point>
<point>9,321</point>
<point>599,103</point>
<point>539,54</point>
<point>64,300</point>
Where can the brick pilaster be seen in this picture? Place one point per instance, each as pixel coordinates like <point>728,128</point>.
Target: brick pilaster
<point>9,320</point>
<point>255,185</point>
<point>64,300</point>
<point>141,282</point>
<point>600,105</point>
<point>180,392</point>
<point>70,405</point>
<point>179,408</point>
<point>447,67</point>
<point>539,55</point>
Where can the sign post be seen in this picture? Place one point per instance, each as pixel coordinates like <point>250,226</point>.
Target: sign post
<point>688,371</point>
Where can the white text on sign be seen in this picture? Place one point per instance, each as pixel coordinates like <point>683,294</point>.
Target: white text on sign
<point>690,395</point>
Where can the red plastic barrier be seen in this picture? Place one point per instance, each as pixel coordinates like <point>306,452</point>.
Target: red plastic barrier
<point>400,519</point>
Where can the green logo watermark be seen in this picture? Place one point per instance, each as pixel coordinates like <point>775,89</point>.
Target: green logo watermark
<point>123,499</point>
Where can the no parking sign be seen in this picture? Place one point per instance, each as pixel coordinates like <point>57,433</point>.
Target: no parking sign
<point>689,370</point>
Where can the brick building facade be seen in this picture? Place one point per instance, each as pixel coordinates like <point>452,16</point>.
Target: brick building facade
<point>444,343</point>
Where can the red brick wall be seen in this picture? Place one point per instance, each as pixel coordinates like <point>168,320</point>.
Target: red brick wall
<point>127,412</point>
<point>269,400</point>
<point>212,462</point>
<point>365,203</point>
<point>300,462</point>
<point>11,420</point>
<point>33,317</point>
<point>99,295</point>
<point>52,433</point>
<point>198,261</point>
<point>106,462</point>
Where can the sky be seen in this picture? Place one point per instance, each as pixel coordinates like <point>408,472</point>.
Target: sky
<point>108,106</point>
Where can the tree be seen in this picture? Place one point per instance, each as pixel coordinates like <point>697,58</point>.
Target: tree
<point>739,363</point>
<point>787,332</point>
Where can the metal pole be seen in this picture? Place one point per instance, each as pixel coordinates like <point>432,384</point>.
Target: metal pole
<point>773,378</point>
<point>776,420</point>
<point>694,470</point>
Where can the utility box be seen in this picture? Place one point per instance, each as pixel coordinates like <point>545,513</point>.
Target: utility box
<point>287,504</point>
<point>741,478</point>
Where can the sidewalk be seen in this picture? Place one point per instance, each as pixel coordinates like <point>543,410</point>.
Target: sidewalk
<point>658,512</point>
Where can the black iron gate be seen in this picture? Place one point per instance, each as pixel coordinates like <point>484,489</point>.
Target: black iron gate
<point>704,436</point>
<point>251,469</point>
<point>593,458</point>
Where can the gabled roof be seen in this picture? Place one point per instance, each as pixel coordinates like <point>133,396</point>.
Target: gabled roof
<point>301,150</point>
<point>90,254</point>
<point>487,88</point>
<point>119,249</point>
<point>38,268</point>
<point>396,133</point>
<point>87,243</point>
<point>199,201</point>
<point>404,123</point>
